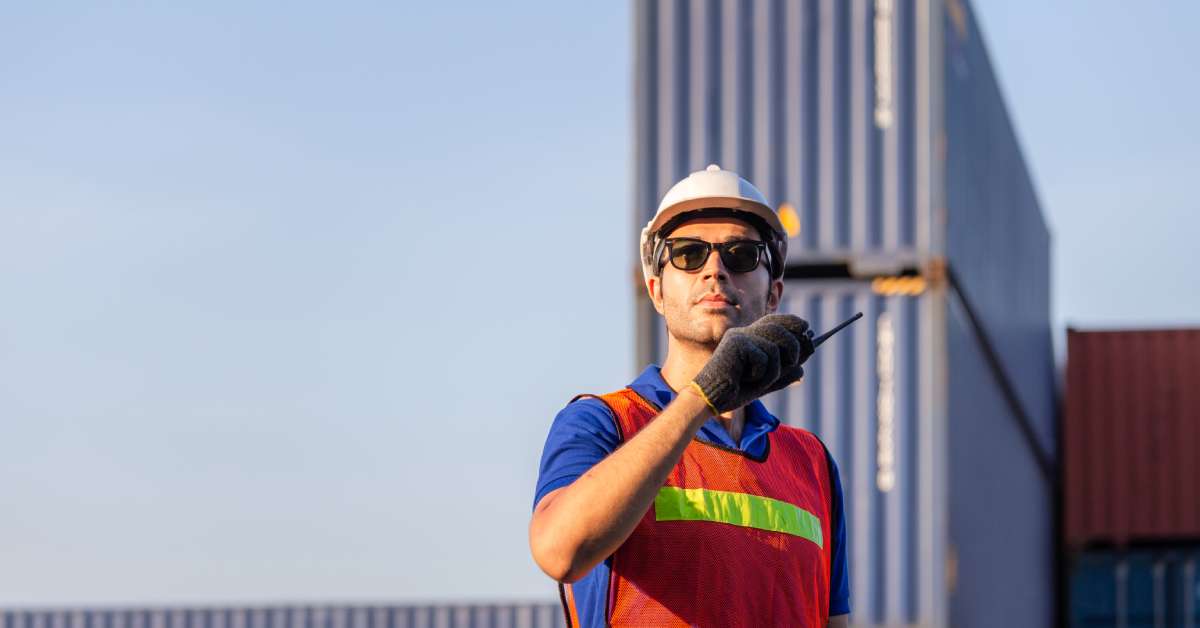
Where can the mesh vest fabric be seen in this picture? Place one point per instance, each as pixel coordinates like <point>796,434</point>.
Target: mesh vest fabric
<point>730,541</point>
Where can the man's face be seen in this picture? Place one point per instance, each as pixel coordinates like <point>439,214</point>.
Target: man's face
<point>700,305</point>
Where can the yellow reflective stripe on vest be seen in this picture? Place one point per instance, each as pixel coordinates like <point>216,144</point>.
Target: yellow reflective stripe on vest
<point>739,509</point>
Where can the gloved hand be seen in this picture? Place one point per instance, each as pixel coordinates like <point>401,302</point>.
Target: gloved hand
<point>755,360</point>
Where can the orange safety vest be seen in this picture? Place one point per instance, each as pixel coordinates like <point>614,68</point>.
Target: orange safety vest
<point>729,541</point>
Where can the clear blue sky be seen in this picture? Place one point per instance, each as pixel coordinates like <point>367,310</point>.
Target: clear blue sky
<point>291,295</point>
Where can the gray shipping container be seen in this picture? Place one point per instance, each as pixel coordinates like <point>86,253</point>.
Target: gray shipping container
<point>528,615</point>
<point>881,123</point>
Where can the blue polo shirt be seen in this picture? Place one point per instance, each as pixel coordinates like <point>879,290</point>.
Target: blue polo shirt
<point>585,432</point>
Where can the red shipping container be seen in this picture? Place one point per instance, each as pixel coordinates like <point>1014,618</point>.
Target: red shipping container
<point>1131,435</point>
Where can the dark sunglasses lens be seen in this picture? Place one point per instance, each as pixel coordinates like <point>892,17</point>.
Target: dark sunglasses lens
<point>689,255</point>
<point>740,257</point>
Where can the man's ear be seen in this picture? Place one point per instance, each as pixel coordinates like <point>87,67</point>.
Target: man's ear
<point>654,290</point>
<point>774,295</point>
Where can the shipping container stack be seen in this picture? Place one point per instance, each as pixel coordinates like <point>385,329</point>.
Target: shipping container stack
<point>1131,432</point>
<point>530,615</point>
<point>878,129</point>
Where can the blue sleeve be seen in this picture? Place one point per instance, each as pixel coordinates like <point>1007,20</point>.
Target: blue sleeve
<point>839,572</point>
<point>583,433</point>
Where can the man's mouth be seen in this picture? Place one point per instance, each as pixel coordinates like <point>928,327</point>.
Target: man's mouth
<point>715,299</point>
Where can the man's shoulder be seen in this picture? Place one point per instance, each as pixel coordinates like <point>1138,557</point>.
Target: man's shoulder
<point>587,414</point>
<point>596,401</point>
<point>804,436</point>
<point>609,403</point>
<point>799,433</point>
<point>586,405</point>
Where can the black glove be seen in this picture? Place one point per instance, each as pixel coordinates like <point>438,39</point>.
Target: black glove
<point>755,360</point>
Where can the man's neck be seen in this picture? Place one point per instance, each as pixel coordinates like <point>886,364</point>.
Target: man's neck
<point>680,368</point>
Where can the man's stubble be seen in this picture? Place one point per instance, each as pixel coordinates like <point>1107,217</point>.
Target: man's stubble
<point>689,327</point>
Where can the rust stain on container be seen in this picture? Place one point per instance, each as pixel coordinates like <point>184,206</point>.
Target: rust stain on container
<point>1131,430</point>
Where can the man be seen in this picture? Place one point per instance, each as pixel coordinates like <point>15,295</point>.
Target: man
<point>680,500</point>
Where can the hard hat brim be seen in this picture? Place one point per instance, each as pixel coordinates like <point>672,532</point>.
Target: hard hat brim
<point>741,204</point>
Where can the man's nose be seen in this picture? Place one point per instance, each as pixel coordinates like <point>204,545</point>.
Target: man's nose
<point>714,268</point>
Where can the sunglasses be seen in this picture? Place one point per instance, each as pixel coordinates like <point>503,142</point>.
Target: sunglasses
<point>739,256</point>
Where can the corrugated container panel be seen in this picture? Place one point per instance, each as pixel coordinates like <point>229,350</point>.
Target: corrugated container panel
<point>1153,589</point>
<point>1131,435</point>
<point>881,123</point>
<point>795,96</point>
<point>520,615</point>
<point>1000,506</point>
<point>868,390</point>
<point>862,395</point>
<point>996,239</point>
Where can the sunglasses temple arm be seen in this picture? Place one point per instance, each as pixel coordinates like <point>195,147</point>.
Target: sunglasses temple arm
<point>825,336</point>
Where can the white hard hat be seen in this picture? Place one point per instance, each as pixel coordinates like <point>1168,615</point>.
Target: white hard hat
<point>713,191</point>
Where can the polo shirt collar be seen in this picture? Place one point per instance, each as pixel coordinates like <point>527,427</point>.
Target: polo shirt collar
<point>757,425</point>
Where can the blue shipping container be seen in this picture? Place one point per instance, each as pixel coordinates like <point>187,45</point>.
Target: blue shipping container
<point>1135,589</point>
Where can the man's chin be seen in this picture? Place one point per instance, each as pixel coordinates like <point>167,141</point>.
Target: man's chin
<point>721,322</point>
<point>707,329</point>
<point>714,330</point>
